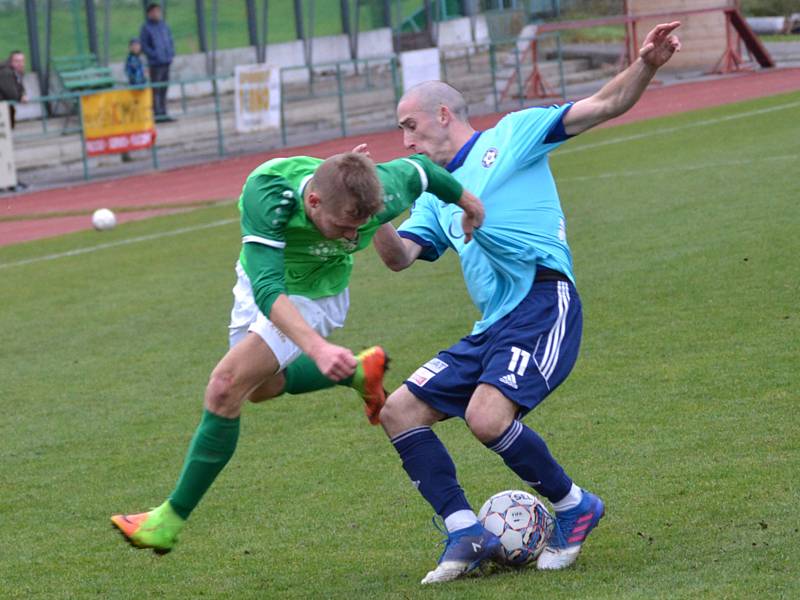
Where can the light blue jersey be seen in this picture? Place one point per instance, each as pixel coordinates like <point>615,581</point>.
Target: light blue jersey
<point>507,168</point>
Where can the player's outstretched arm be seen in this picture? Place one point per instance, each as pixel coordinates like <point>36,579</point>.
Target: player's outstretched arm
<point>396,253</point>
<point>622,92</point>
<point>265,267</point>
<point>335,362</point>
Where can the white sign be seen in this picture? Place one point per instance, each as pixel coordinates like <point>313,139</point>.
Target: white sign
<point>258,97</point>
<point>8,170</point>
<point>419,66</point>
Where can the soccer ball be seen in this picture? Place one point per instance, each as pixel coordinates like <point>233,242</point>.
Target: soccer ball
<point>522,523</point>
<point>103,219</point>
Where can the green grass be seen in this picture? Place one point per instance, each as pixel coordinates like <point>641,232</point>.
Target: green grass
<point>681,412</point>
<point>779,37</point>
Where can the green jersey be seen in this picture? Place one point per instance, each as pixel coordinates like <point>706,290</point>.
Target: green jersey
<point>284,252</point>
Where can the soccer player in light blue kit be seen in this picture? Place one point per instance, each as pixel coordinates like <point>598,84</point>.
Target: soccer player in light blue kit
<point>518,271</point>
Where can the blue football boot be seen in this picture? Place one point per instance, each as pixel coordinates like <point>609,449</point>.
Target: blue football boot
<point>572,527</point>
<point>464,551</point>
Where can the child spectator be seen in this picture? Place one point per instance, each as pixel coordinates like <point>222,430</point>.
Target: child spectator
<point>134,67</point>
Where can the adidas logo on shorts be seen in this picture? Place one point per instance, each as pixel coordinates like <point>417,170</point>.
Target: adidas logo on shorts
<point>509,380</point>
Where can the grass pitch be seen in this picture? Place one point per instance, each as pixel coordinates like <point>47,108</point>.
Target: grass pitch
<point>681,411</point>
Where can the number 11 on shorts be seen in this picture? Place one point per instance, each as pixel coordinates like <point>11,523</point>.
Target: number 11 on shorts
<point>519,357</point>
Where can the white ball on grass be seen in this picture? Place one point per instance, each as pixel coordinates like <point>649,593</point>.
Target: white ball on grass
<point>103,219</point>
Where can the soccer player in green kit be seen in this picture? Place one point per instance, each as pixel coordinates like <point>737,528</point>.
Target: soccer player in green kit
<point>302,219</point>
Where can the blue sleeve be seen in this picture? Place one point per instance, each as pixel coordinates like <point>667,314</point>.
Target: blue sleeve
<point>536,131</point>
<point>147,43</point>
<point>423,228</point>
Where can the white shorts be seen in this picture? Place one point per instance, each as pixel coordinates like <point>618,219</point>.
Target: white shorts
<point>323,314</point>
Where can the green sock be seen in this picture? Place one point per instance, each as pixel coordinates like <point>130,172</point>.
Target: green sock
<point>212,446</point>
<point>302,376</point>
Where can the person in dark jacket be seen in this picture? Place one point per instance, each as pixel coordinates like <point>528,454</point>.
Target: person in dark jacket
<point>11,87</point>
<point>134,67</point>
<point>156,39</point>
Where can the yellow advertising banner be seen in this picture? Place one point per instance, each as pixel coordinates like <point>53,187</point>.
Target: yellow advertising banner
<point>118,121</point>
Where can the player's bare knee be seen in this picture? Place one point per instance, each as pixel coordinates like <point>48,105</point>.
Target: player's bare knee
<point>221,396</point>
<point>392,414</point>
<point>485,424</point>
<point>403,411</point>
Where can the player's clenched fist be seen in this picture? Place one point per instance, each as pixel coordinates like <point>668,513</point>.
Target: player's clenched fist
<point>335,362</point>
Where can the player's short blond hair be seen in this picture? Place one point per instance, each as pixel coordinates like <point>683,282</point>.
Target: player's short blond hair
<point>350,182</point>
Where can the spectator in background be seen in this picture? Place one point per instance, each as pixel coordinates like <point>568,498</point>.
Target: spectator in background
<point>134,67</point>
<point>156,41</point>
<point>134,70</point>
<point>11,87</point>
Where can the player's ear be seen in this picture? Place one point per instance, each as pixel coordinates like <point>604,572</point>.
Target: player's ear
<point>443,115</point>
<point>314,200</point>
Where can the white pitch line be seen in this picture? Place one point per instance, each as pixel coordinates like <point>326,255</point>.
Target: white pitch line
<point>125,242</point>
<point>673,168</point>
<point>665,130</point>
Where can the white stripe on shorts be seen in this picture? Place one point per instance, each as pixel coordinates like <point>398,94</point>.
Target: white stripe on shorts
<point>556,335</point>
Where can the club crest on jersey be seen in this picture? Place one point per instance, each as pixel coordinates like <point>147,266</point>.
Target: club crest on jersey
<point>489,157</point>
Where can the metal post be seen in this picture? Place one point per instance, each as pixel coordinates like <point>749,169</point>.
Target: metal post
<point>309,46</point>
<point>44,82</point>
<point>429,24</point>
<point>91,26</point>
<point>183,97</point>
<point>561,67</point>
<point>298,20</point>
<point>340,90</point>
<point>518,71</point>
<point>106,31</point>
<point>357,31</point>
<point>252,26</point>
<point>76,25</point>
<point>154,153</point>
<point>83,142</point>
<point>33,38</point>
<point>346,27</point>
<point>217,109</point>
<point>395,80</point>
<point>311,28</point>
<point>200,13</point>
<point>398,13</point>
<point>283,112</point>
<point>387,13</point>
<point>493,69</point>
<point>264,34</point>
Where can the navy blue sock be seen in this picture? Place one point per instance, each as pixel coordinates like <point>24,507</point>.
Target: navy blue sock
<point>431,470</point>
<point>527,455</point>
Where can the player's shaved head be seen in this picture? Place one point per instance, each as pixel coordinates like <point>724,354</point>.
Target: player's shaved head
<point>433,117</point>
<point>428,96</point>
<point>350,184</point>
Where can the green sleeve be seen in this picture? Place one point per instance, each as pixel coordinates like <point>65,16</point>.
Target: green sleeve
<point>405,179</point>
<point>440,182</point>
<point>267,203</point>
<point>264,266</point>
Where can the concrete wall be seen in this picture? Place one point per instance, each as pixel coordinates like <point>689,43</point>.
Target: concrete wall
<point>459,32</point>
<point>702,36</point>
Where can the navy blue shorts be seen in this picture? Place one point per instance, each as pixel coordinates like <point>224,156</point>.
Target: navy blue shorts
<point>525,355</point>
